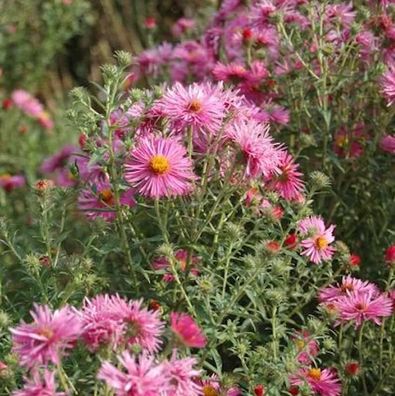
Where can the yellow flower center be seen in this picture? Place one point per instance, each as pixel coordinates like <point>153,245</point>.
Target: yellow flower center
<point>195,105</point>
<point>300,344</point>
<point>209,390</point>
<point>314,373</point>
<point>321,242</point>
<point>46,332</point>
<point>159,164</point>
<point>107,196</point>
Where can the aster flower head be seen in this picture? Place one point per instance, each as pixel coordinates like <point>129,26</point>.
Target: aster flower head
<point>317,239</point>
<point>323,382</point>
<point>9,183</point>
<point>347,286</point>
<point>306,347</point>
<point>47,338</point>
<point>361,307</point>
<point>142,377</point>
<point>182,374</point>
<point>27,103</point>
<point>97,200</point>
<point>287,182</point>
<point>260,154</point>
<point>40,385</point>
<point>159,167</point>
<point>187,331</point>
<point>387,144</point>
<point>387,84</point>
<point>198,106</point>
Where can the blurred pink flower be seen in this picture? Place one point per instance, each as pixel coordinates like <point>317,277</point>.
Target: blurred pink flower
<point>187,331</point>
<point>27,103</point>
<point>9,183</point>
<point>387,143</point>
<point>39,385</point>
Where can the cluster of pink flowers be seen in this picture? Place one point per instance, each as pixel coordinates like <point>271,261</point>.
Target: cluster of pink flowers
<point>31,107</point>
<point>356,301</point>
<point>114,322</point>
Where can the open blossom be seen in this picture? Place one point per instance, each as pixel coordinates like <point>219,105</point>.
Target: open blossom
<point>181,259</point>
<point>9,183</point>
<point>48,338</point>
<point>287,182</point>
<point>347,286</point>
<point>259,153</point>
<point>97,200</point>
<point>306,346</point>
<point>143,376</point>
<point>182,374</point>
<point>387,143</point>
<point>40,385</point>
<point>182,26</point>
<point>387,84</point>
<point>187,331</point>
<point>27,103</point>
<point>317,239</point>
<point>197,105</point>
<point>323,382</point>
<point>360,307</point>
<point>159,167</point>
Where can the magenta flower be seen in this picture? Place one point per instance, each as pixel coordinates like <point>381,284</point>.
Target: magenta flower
<point>387,143</point>
<point>360,307</point>
<point>260,154</point>
<point>9,183</point>
<point>181,375</point>
<point>100,322</point>
<point>97,200</point>
<point>322,382</point>
<point>142,326</point>
<point>387,84</point>
<point>198,106</point>
<point>39,386</point>
<point>143,376</point>
<point>287,182</point>
<point>187,331</point>
<point>317,239</point>
<point>182,25</point>
<point>48,338</point>
<point>306,346</point>
<point>347,286</point>
<point>159,167</point>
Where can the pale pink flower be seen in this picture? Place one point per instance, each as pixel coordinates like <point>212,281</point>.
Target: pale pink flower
<point>27,103</point>
<point>181,374</point>
<point>97,200</point>
<point>260,154</point>
<point>39,385</point>
<point>387,143</point>
<point>360,307</point>
<point>142,326</point>
<point>197,105</point>
<point>323,382</point>
<point>48,338</point>
<point>287,182</point>
<point>317,239</point>
<point>143,376</point>
<point>347,286</point>
<point>159,167</point>
<point>187,331</point>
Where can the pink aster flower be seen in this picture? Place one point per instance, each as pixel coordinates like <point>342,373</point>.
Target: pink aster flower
<point>47,338</point>
<point>340,13</point>
<point>360,307</point>
<point>182,26</point>
<point>159,167</point>
<point>97,200</point>
<point>260,155</point>
<point>100,322</point>
<point>317,239</point>
<point>181,375</point>
<point>387,143</point>
<point>142,326</point>
<point>9,183</point>
<point>44,385</point>
<point>306,346</point>
<point>347,286</point>
<point>197,105</point>
<point>322,382</point>
<point>187,331</point>
<point>143,376</point>
<point>181,256</point>
<point>59,159</point>
<point>387,84</point>
<point>287,182</point>
<point>232,72</point>
<point>27,103</point>
<point>261,13</point>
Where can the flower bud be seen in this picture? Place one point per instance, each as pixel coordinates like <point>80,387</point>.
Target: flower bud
<point>319,180</point>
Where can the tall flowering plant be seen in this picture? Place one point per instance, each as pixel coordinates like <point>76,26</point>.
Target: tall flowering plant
<point>181,196</point>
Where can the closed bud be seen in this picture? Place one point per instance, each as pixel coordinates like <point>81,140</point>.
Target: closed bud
<point>259,390</point>
<point>319,180</point>
<point>4,320</point>
<point>307,140</point>
<point>352,369</point>
<point>124,58</point>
